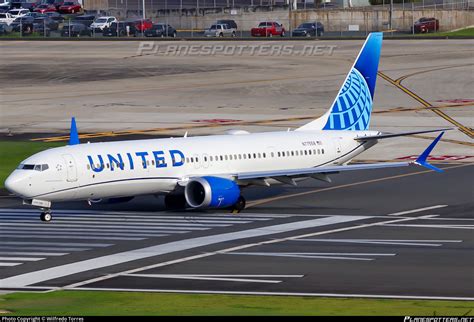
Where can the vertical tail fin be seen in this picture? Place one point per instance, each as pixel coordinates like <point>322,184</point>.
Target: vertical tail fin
<point>352,107</point>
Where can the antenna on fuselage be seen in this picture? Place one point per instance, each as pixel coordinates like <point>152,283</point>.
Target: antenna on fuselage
<point>73,135</point>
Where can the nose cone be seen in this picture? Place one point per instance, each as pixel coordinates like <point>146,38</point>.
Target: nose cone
<point>16,183</point>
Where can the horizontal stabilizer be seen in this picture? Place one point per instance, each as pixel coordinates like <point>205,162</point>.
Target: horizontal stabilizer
<point>393,135</point>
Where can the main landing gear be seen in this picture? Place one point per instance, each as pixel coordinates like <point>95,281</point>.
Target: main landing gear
<point>46,216</point>
<point>175,202</point>
<point>239,205</point>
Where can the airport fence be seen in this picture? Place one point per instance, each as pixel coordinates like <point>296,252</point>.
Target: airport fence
<point>337,23</point>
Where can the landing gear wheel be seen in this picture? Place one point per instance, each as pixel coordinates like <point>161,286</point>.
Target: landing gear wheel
<point>174,202</point>
<point>46,216</point>
<point>239,205</point>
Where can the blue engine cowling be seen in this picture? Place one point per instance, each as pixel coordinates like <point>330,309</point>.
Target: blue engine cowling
<point>211,192</point>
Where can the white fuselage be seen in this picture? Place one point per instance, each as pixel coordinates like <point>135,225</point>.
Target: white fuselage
<point>157,166</point>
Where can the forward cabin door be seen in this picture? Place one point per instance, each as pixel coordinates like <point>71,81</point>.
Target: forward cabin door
<point>70,167</point>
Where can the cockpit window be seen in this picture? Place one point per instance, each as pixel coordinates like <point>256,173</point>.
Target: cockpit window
<point>36,167</point>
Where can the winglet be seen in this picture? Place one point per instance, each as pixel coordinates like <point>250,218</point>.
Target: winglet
<point>73,136</point>
<point>421,160</point>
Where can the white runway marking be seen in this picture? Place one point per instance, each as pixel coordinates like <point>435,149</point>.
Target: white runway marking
<point>104,230</point>
<point>32,253</point>
<point>224,278</point>
<point>66,223</point>
<point>186,244</point>
<point>120,220</point>
<point>61,249</point>
<point>398,242</point>
<point>26,259</point>
<point>53,224</point>
<point>102,237</point>
<point>10,264</point>
<point>416,210</point>
<point>436,226</point>
<point>53,243</point>
<point>339,256</point>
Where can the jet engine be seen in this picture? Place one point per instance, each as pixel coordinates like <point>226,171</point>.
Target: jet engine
<point>211,192</point>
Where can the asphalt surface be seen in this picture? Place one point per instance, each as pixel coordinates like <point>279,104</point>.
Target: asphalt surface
<point>385,233</point>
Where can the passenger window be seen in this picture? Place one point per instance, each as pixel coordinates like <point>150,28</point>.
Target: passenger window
<point>222,158</point>
<point>305,152</point>
<point>314,151</point>
<point>205,159</point>
<point>322,151</point>
<point>264,156</point>
<point>292,153</point>
<point>254,155</point>
<point>245,157</point>
<point>272,154</point>
<point>309,152</point>
<point>230,157</point>
<point>259,156</point>
<point>210,158</point>
<point>108,165</point>
<point>88,167</point>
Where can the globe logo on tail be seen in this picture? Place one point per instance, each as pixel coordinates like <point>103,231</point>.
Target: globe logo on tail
<point>352,107</point>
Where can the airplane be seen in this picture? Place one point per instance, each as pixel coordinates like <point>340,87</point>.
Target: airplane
<point>210,172</point>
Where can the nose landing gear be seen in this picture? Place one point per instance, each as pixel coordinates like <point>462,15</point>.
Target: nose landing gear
<point>46,216</point>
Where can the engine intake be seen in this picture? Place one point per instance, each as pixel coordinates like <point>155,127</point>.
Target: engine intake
<point>211,192</point>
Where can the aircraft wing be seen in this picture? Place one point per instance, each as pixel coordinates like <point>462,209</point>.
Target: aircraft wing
<point>286,176</point>
<point>325,170</point>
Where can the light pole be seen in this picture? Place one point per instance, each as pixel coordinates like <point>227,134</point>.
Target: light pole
<point>143,8</point>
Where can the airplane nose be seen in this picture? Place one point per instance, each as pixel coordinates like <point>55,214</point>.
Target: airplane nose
<point>15,183</point>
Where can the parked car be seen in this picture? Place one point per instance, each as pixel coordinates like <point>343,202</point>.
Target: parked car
<point>70,7</point>
<point>141,24</point>
<point>102,22</point>
<point>75,30</point>
<point>25,24</point>
<point>6,18</point>
<point>426,25</point>
<point>56,16</point>
<point>16,13</point>
<point>25,4</point>
<point>120,30</point>
<point>35,14</point>
<point>86,20</point>
<point>268,29</point>
<point>42,8</point>
<point>48,22</point>
<point>4,28</point>
<point>309,29</point>
<point>220,30</point>
<point>230,23</point>
<point>5,6</point>
<point>56,3</point>
<point>161,30</point>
